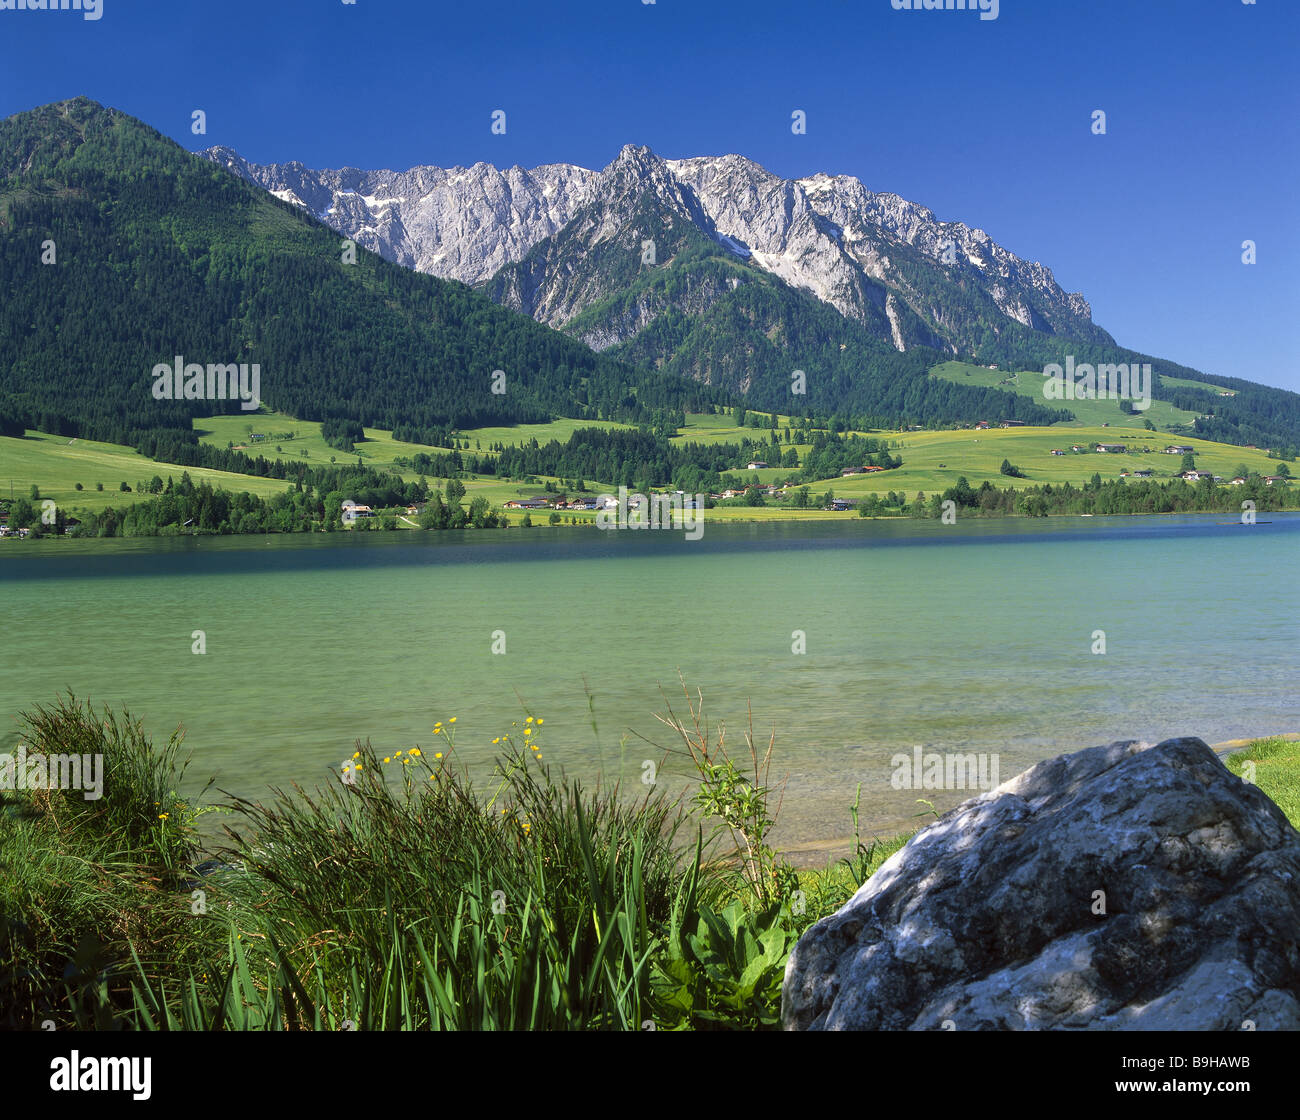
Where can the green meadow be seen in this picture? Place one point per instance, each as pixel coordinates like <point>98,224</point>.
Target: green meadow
<point>935,460</point>
<point>1091,414</point>
<point>1184,383</point>
<point>287,439</point>
<point>57,463</point>
<point>560,430</point>
<point>1274,766</point>
<point>380,451</point>
<point>932,460</point>
<point>701,428</point>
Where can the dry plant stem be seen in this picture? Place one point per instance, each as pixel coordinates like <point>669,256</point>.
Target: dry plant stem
<point>747,835</point>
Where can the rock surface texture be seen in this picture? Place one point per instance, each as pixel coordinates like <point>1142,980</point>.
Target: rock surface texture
<point>990,917</point>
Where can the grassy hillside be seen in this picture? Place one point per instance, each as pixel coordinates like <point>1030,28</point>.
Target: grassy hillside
<point>277,436</point>
<point>932,461</point>
<point>1029,383</point>
<point>287,439</point>
<point>935,460</point>
<point>57,463</point>
<point>723,429</point>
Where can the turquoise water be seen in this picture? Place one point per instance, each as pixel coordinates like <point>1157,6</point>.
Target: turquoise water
<point>973,638</point>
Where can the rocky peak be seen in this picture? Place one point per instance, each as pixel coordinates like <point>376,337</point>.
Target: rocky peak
<point>825,234</point>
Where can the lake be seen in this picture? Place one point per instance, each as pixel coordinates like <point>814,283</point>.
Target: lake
<point>974,638</point>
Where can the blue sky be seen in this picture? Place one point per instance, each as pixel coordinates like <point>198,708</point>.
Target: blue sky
<point>984,121</point>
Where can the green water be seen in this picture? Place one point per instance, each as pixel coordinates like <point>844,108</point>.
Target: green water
<point>971,638</point>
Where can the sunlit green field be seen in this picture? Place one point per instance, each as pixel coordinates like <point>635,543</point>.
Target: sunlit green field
<point>1184,383</point>
<point>707,429</point>
<point>932,461</point>
<point>57,463</point>
<point>1088,413</point>
<point>378,451</point>
<point>559,430</point>
<point>935,460</point>
<point>1276,771</point>
<point>290,438</point>
<point>702,428</point>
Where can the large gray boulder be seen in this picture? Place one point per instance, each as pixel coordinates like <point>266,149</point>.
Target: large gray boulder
<point>988,919</point>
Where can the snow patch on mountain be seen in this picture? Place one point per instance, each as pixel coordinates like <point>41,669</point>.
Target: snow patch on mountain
<point>825,234</point>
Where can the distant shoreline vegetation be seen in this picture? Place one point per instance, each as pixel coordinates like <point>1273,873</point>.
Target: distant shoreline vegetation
<point>1116,497</point>
<point>187,509</point>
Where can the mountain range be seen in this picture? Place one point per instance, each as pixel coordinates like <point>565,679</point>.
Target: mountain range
<point>715,269</point>
<point>119,251</point>
<point>648,289</point>
<point>854,249</point>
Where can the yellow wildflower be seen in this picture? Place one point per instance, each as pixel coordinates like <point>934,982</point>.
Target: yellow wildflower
<point>416,752</point>
<point>438,755</point>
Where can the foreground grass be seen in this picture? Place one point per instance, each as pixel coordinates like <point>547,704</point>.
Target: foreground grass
<point>400,897</point>
<point>1273,765</point>
<point>397,897</point>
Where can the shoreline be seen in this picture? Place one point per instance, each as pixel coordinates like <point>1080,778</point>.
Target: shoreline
<point>818,517</point>
<point>815,854</point>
